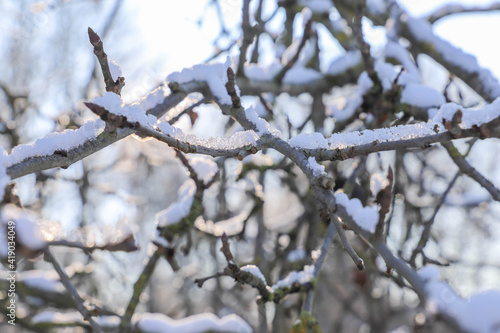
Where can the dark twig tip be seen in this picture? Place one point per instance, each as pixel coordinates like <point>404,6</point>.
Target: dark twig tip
<point>93,37</point>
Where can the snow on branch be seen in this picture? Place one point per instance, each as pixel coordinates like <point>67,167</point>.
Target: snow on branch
<point>478,314</point>
<point>213,74</point>
<point>65,148</point>
<point>250,274</point>
<point>56,143</point>
<point>482,123</point>
<point>205,322</point>
<point>4,177</point>
<point>117,115</point>
<point>462,64</point>
<point>365,217</point>
<point>455,8</point>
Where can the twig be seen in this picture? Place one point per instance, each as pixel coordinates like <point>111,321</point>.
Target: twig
<point>88,147</point>
<point>326,200</point>
<point>362,45</point>
<point>126,245</point>
<point>248,35</point>
<point>104,32</point>
<point>460,9</point>
<point>470,171</point>
<point>305,37</point>
<point>111,85</point>
<point>422,143</point>
<point>426,233</point>
<point>319,263</point>
<point>121,122</point>
<point>72,290</point>
<point>139,287</point>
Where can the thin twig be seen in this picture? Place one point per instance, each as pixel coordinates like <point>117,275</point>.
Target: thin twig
<point>248,35</point>
<point>470,171</point>
<point>139,287</point>
<point>319,263</point>
<point>455,8</point>
<point>305,37</point>
<point>72,290</point>
<point>426,233</point>
<point>111,85</point>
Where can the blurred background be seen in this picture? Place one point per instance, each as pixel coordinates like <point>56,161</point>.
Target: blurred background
<point>47,71</point>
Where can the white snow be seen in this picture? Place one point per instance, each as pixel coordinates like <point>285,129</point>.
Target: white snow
<point>201,323</point>
<point>65,140</point>
<point>477,314</point>
<point>365,217</point>
<point>397,51</point>
<point>406,132</point>
<point>4,178</point>
<point>260,72</point>
<point>260,124</point>
<point>215,75</point>
<point>377,183</point>
<point>309,140</point>
<point>52,317</point>
<point>306,16</point>
<point>376,6</point>
<point>231,226</point>
<point>301,277</point>
<point>470,116</point>
<point>422,30</point>
<point>317,6</point>
<point>421,96</point>
<point>179,209</point>
<point>344,62</point>
<point>395,133</point>
<point>204,167</point>
<point>317,169</point>
<point>26,227</point>
<point>134,113</point>
<point>255,271</point>
<point>47,281</point>
<point>153,98</point>
<point>236,140</point>
<point>296,255</point>
<point>114,69</point>
<point>386,74</point>
<point>301,75</point>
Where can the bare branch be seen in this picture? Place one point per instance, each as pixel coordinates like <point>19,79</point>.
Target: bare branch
<point>139,287</point>
<point>452,9</point>
<point>111,85</point>
<point>470,171</point>
<point>72,290</point>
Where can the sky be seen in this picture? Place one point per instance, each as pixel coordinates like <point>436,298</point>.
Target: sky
<point>174,39</point>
